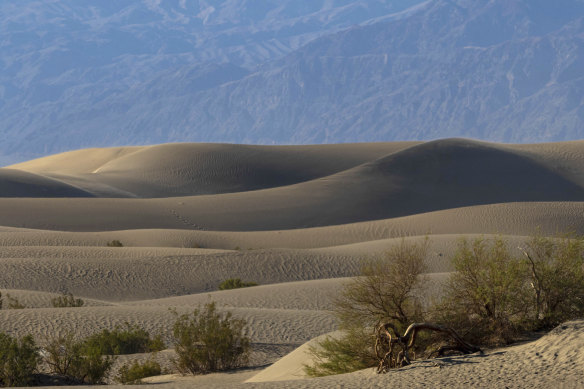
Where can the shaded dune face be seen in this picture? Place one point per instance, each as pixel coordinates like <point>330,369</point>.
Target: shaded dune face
<point>16,183</point>
<point>426,177</point>
<point>195,169</point>
<point>455,173</point>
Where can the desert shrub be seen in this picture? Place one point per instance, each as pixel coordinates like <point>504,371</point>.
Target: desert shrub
<point>209,341</point>
<point>67,300</point>
<point>133,373</point>
<point>129,340</point>
<point>387,290</point>
<point>352,351</point>
<point>0,300</point>
<point>556,279</point>
<point>486,298</point>
<point>76,360</point>
<point>235,283</point>
<point>115,243</point>
<point>13,302</point>
<point>18,360</point>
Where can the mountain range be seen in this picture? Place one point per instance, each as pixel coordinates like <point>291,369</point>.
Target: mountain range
<point>84,73</point>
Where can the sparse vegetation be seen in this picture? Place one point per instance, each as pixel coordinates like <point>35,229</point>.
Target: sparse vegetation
<point>556,276</point>
<point>67,300</point>
<point>235,283</point>
<point>78,361</point>
<point>134,372</point>
<point>492,298</point>
<point>128,340</point>
<point>13,302</point>
<point>388,289</point>
<point>115,243</point>
<point>487,297</point>
<point>208,341</point>
<point>19,359</point>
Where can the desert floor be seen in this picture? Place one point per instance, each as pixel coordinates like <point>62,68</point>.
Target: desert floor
<point>298,220</point>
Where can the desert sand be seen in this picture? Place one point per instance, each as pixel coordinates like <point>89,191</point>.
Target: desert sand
<point>298,220</point>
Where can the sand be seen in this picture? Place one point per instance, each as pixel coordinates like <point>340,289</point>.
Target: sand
<point>298,220</point>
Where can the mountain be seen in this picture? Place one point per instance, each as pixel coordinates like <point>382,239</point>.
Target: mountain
<point>84,73</point>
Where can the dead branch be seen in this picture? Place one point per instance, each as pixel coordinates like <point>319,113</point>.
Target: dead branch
<point>385,342</point>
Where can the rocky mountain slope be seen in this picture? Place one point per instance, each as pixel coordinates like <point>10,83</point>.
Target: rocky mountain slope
<point>81,74</point>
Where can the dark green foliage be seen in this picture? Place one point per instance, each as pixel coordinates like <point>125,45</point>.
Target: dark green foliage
<point>133,373</point>
<point>67,300</point>
<point>235,283</point>
<point>209,341</point>
<point>13,302</point>
<point>128,340</point>
<point>18,360</point>
<point>77,361</point>
<point>115,243</point>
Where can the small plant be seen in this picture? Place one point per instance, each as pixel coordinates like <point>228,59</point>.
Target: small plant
<point>18,360</point>
<point>77,361</point>
<point>133,373</point>
<point>350,352</point>
<point>0,300</point>
<point>128,340</point>
<point>67,301</point>
<point>115,243</point>
<point>235,283</point>
<point>209,341</point>
<point>13,302</point>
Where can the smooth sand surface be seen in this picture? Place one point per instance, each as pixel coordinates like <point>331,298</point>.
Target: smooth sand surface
<point>298,220</point>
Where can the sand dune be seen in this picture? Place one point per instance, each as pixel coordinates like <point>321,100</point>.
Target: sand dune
<point>298,220</point>
<point>16,183</point>
<point>428,177</point>
<point>193,169</point>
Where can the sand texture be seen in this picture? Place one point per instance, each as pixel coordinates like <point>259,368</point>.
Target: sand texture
<point>298,220</point>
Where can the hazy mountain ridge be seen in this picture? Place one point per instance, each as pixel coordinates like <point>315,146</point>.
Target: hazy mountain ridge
<point>508,71</point>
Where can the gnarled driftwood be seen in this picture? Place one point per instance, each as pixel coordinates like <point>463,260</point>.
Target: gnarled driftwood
<point>390,357</point>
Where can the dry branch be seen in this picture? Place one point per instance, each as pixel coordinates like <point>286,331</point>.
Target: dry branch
<point>385,343</point>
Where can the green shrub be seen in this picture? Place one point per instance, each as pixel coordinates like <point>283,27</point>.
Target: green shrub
<point>235,283</point>
<point>387,290</point>
<point>128,340</point>
<point>115,243</point>
<point>133,373</point>
<point>18,360</point>
<point>209,341</point>
<point>556,279</point>
<point>78,361</point>
<point>494,296</point>
<point>13,302</point>
<point>351,352</point>
<point>67,300</point>
<point>487,297</point>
